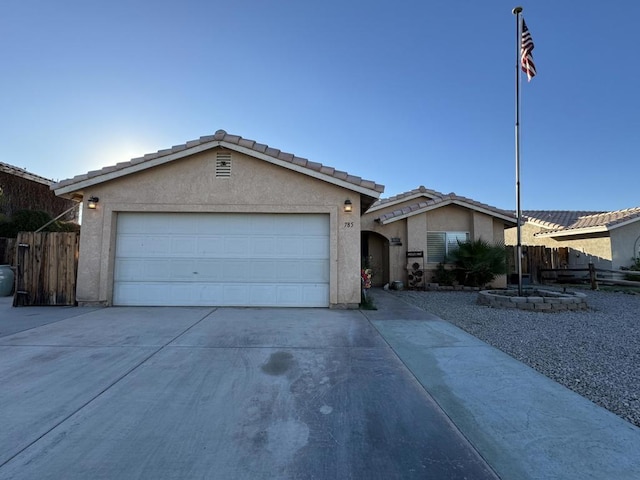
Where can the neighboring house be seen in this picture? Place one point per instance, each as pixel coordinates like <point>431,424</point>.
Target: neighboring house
<point>421,226</point>
<point>609,240</point>
<point>221,221</point>
<point>22,190</point>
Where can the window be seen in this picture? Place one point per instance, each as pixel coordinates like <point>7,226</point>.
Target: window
<point>223,165</point>
<point>441,244</point>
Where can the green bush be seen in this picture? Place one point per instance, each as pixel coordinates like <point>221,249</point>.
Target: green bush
<point>32,220</point>
<point>478,262</point>
<point>443,275</point>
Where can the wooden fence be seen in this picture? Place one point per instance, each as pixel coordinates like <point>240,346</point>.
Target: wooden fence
<point>46,267</point>
<point>537,258</point>
<point>591,275</point>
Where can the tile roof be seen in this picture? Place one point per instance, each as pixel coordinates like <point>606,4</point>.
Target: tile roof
<point>439,200</point>
<point>416,192</point>
<point>563,220</point>
<point>21,172</point>
<point>228,140</point>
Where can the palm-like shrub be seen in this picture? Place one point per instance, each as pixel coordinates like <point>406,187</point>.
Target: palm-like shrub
<point>477,262</point>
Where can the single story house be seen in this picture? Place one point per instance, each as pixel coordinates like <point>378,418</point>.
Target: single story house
<point>609,240</point>
<point>223,221</point>
<point>418,228</point>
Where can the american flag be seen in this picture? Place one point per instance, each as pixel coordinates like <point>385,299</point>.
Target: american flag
<point>526,55</point>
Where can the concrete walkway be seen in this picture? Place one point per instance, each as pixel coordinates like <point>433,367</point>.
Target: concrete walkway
<point>525,425</point>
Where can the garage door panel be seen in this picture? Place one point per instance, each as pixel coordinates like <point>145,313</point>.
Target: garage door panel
<point>288,246</point>
<point>222,259</point>
<point>128,268</point>
<point>317,269</point>
<point>309,226</point>
<point>263,271</point>
<point>184,246</point>
<point>236,246</point>
<point>263,245</point>
<point>210,246</point>
<point>209,269</point>
<point>316,247</point>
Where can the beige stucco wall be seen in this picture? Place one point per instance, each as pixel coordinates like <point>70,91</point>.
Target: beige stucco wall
<point>625,242</point>
<point>397,253</point>
<point>190,185</point>
<point>413,233</point>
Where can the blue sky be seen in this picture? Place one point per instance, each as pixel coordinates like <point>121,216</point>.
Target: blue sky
<point>406,94</point>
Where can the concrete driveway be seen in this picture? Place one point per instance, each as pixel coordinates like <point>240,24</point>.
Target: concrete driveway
<point>204,393</point>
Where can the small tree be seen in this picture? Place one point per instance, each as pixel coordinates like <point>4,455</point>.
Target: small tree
<point>477,262</point>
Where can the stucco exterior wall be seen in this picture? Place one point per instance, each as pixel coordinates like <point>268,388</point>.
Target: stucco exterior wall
<point>397,253</point>
<point>413,233</point>
<point>625,245</point>
<point>190,185</point>
<point>449,219</point>
<point>483,228</point>
<point>416,240</point>
<point>526,235</point>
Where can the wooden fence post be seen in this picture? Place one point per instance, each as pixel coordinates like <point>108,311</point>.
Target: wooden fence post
<point>592,276</point>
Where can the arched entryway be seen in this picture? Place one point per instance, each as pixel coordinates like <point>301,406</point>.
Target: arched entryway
<point>375,255</point>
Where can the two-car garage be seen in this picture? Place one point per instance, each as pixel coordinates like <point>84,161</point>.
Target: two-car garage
<point>223,259</point>
<point>220,221</point>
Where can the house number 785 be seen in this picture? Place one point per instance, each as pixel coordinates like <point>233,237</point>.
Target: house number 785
<point>348,224</point>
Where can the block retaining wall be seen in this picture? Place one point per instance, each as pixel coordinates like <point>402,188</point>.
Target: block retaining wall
<point>538,300</point>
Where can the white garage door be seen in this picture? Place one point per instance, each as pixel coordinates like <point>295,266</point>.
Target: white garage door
<point>222,259</point>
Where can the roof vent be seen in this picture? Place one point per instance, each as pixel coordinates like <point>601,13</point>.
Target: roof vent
<point>223,165</point>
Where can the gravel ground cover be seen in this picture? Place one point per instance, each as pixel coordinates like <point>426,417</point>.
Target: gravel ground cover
<point>595,352</point>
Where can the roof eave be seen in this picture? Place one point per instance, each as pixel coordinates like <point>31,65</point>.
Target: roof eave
<point>444,203</point>
<point>138,167</point>
<point>397,202</point>
<point>624,223</point>
<point>572,232</point>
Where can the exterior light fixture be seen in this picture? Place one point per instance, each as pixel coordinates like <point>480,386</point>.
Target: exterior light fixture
<point>348,207</point>
<point>92,203</point>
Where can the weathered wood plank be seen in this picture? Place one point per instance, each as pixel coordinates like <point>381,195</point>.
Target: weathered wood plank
<point>46,268</point>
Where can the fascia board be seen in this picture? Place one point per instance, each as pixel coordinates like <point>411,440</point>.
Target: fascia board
<point>450,202</point>
<point>571,232</point>
<point>397,202</point>
<point>112,175</point>
<point>416,212</point>
<point>138,167</point>
<point>304,170</point>
<point>624,223</point>
<point>486,211</point>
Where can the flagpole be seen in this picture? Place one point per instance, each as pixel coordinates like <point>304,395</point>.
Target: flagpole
<point>517,11</point>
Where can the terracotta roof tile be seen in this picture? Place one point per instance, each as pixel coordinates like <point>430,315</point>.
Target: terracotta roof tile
<point>564,220</point>
<point>232,139</point>
<point>260,147</point>
<point>223,136</point>
<point>272,152</point>
<point>288,157</point>
<point>421,190</point>
<point>440,199</point>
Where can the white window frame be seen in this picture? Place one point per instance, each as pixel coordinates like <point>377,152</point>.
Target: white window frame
<point>450,244</point>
